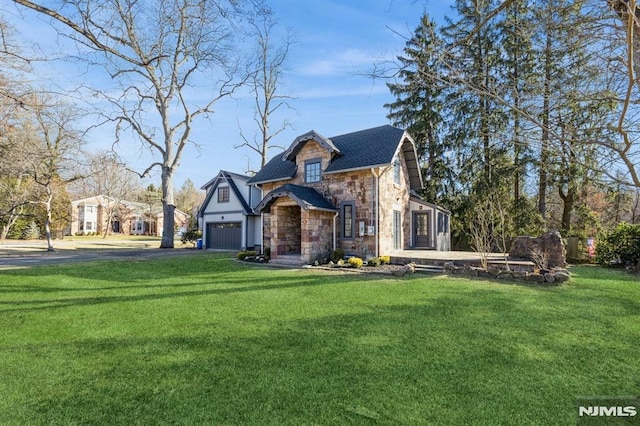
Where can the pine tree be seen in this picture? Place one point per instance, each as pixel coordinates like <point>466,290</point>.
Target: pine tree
<point>418,105</point>
<point>473,73</point>
<point>518,66</point>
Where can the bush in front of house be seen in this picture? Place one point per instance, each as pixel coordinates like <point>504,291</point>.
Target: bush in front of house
<point>243,255</point>
<point>191,236</point>
<point>337,255</point>
<point>620,246</point>
<point>252,256</point>
<point>374,261</point>
<point>355,262</point>
<point>385,260</point>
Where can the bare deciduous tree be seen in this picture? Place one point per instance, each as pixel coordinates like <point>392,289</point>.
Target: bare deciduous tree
<point>50,151</point>
<point>266,84</point>
<point>157,52</point>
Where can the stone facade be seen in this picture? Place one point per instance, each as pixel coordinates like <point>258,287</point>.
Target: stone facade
<point>356,186</point>
<point>361,200</point>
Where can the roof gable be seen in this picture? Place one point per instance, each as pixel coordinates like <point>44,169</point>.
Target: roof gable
<point>229,178</point>
<point>307,198</point>
<point>291,152</point>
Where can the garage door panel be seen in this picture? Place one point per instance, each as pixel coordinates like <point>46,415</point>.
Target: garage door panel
<point>224,235</point>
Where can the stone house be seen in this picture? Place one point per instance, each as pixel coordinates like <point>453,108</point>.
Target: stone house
<point>100,214</point>
<point>356,191</point>
<point>226,216</point>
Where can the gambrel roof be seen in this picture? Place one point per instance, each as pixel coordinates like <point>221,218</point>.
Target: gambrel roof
<point>375,147</point>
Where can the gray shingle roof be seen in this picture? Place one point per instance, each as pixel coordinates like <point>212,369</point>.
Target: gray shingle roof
<point>276,169</point>
<point>362,149</point>
<point>366,148</point>
<point>305,197</point>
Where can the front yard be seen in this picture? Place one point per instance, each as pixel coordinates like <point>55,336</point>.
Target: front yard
<point>205,340</point>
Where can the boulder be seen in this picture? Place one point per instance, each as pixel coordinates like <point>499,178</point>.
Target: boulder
<point>550,245</point>
<point>536,278</point>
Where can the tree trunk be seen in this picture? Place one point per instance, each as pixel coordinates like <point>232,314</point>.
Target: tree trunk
<point>568,201</point>
<point>47,223</point>
<point>544,145</point>
<point>168,209</point>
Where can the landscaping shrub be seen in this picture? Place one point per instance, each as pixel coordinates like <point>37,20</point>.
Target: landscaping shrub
<point>620,246</point>
<point>355,262</point>
<point>32,232</point>
<point>337,255</point>
<point>191,236</point>
<point>374,261</point>
<point>385,260</point>
<point>247,255</point>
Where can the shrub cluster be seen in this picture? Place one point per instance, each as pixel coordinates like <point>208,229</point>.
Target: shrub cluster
<point>242,255</point>
<point>620,246</point>
<point>337,255</point>
<point>191,236</point>
<point>252,256</point>
<point>355,262</point>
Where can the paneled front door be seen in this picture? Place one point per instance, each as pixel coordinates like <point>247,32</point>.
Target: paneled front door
<point>422,237</point>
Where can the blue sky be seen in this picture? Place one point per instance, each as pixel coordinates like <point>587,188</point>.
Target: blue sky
<point>335,43</point>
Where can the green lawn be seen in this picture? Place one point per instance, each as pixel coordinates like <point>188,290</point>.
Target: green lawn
<point>204,340</point>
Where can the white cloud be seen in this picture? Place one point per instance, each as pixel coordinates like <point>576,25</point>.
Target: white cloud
<point>347,62</point>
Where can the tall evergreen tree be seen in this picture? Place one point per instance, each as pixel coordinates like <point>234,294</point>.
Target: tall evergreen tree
<point>518,66</point>
<point>473,74</point>
<point>418,105</point>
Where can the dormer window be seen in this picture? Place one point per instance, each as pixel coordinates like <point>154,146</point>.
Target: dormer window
<point>312,170</point>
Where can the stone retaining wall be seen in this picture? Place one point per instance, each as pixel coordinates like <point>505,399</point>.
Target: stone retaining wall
<point>554,276</point>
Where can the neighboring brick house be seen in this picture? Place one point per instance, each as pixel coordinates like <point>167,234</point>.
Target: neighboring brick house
<point>226,216</point>
<point>354,191</point>
<point>101,214</point>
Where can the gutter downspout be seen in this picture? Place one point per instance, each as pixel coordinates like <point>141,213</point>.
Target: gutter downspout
<point>376,194</point>
<point>255,185</point>
<point>335,218</point>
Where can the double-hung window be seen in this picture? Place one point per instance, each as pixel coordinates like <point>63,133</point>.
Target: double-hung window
<point>312,171</point>
<point>223,194</point>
